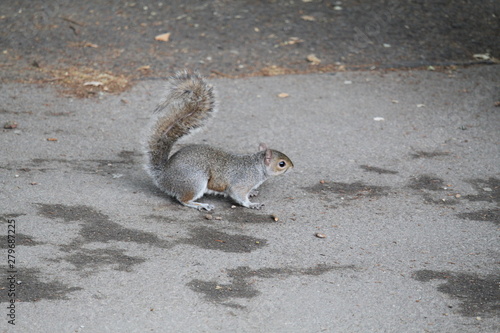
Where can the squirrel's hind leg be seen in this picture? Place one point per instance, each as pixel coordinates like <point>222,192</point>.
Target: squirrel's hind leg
<point>188,200</point>
<point>198,205</point>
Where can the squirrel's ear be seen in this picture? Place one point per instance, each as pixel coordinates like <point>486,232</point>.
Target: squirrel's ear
<point>262,146</point>
<point>268,157</point>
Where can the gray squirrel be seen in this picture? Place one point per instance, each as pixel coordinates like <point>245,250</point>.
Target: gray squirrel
<point>195,170</point>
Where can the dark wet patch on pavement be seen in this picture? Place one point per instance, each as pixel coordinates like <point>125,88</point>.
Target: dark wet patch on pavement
<point>242,283</point>
<point>29,287</point>
<point>212,239</point>
<point>380,171</point>
<point>349,191</point>
<point>478,296</point>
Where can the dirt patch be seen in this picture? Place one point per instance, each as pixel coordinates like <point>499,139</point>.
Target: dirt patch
<point>85,81</point>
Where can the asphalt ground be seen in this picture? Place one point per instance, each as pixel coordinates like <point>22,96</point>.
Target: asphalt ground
<point>396,168</point>
<point>47,41</point>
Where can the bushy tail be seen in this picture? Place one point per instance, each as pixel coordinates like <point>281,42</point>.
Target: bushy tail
<point>188,104</point>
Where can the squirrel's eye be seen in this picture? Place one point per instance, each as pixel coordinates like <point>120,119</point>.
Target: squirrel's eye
<point>282,164</point>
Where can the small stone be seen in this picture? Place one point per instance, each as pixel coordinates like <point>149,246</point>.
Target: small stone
<point>487,189</point>
<point>208,217</point>
<point>320,235</point>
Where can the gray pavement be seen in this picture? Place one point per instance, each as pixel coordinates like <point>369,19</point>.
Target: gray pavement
<point>400,171</point>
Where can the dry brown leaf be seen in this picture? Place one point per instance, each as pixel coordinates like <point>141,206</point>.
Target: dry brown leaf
<point>163,37</point>
<point>292,40</point>
<point>313,59</point>
<point>87,44</point>
<point>308,18</point>
<point>283,95</point>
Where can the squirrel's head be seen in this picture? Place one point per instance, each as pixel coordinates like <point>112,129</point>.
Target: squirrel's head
<point>276,162</point>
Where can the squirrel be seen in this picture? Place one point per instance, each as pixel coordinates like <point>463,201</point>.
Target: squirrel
<point>197,169</point>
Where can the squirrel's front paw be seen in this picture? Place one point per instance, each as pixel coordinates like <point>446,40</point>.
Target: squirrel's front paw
<point>256,205</point>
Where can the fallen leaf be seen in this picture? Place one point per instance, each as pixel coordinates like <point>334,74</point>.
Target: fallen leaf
<point>320,235</point>
<point>144,68</point>
<point>483,56</point>
<point>283,95</point>
<point>163,37</point>
<point>313,59</point>
<point>308,18</point>
<point>51,139</point>
<point>87,44</point>
<point>292,40</point>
